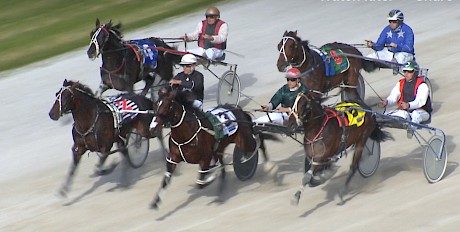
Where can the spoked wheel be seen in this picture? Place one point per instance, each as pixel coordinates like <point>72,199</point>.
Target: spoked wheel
<point>435,159</point>
<point>228,91</point>
<point>370,158</point>
<point>138,149</point>
<point>360,88</point>
<point>245,163</point>
<point>428,83</point>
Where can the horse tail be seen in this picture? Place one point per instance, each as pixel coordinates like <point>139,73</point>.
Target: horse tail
<point>380,136</point>
<point>174,58</point>
<point>370,66</point>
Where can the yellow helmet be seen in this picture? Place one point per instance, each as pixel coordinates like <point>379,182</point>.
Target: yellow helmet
<point>212,11</point>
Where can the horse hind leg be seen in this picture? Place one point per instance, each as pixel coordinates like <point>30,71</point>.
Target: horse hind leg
<point>207,173</point>
<point>353,167</point>
<point>164,184</point>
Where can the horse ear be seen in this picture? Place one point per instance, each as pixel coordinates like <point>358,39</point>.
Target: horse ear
<point>285,33</point>
<point>65,82</point>
<point>295,32</point>
<point>98,23</point>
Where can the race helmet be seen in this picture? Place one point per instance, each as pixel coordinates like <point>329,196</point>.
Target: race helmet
<point>292,73</point>
<point>212,11</point>
<point>188,59</point>
<point>410,65</point>
<point>396,15</point>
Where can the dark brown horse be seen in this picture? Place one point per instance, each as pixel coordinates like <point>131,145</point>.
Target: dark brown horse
<point>193,140</point>
<point>123,61</point>
<point>327,135</point>
<point>297,53</point>
<point>94,128</point>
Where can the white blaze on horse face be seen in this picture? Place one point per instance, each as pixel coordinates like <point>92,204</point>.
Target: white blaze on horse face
<point>295,110</point>
<point>283,51</point>
<point>154,123</point>
<point>94,41</point>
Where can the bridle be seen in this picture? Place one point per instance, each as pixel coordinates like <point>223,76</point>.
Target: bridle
<point>94,41</point>
<point>59,99</point>
<point>283,52</point>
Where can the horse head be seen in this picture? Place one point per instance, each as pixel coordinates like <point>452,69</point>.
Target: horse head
<point>100,37</point>
<point>64,100</point>
<point>305,108</point>
<point>291,51</point>
<point>166,108</point>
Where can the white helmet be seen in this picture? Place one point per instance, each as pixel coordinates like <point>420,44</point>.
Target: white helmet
<point>188,59</point>
<point>396,15</point>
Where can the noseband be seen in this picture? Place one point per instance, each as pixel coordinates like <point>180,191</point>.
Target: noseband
<point>59,99</point>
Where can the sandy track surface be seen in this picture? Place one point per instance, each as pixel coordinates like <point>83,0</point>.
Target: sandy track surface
<point>36,151</point>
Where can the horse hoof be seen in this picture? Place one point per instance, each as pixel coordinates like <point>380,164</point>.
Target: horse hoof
<point>295,200</point>
<point>315,181</point>
<point>62,193</point>
<point>270,167</point>
<point>154,206</point>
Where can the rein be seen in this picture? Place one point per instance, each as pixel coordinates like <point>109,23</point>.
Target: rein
<point>80,132</point>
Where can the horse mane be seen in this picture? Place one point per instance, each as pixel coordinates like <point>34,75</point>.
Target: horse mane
<point>305,43</point>
<point>116,29</point>
<point>186,99</point>
<point>81,87</point>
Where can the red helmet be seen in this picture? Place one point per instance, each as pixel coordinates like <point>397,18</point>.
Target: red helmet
<point>292,73</point>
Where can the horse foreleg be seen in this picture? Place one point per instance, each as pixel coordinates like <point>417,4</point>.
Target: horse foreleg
<point>164,184</point>
<point>305,180</point>
<point>100,170</point>
<point>77,152</point>
<point>102,88</point>
<point>148,83</point>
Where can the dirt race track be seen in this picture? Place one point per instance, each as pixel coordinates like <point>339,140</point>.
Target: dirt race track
<point>36,153</point>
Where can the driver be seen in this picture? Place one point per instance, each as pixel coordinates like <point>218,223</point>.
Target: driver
<point>211,34</point>
<point>412,96</point>
<point>398,37</point>
<point>285,96</point>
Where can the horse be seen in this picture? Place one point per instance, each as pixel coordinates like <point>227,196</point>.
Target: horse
<point>295,52</point>
<point>94,126</point>
<point>192,139</point>
<point>123,62</point>
<point>329,132</point>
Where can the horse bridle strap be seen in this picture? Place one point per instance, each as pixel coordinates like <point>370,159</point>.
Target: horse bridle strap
<point>179,145</point>
<point>282,51</point>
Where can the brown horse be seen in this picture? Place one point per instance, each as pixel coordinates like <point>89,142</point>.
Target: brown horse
<point>297,53</point>
<point>327,135</point>
<point>122,61</point>
<point>93,127</point>
<point>193,140</point>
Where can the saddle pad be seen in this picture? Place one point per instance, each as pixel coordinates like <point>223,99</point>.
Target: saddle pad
<point>355,117</point>
<point>149,51</point>
<point>121,103</point>
<point>226,118</point>
<point>334,63</point>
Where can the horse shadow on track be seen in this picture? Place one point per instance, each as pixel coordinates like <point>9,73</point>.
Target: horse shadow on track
<point>232,187</point>
<point>388,168</point>
<point>125,177</point>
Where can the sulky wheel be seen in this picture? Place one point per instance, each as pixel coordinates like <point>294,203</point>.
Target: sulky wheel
<point>138,149</point>
<point>228,91</point>
<point>435,159</point>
